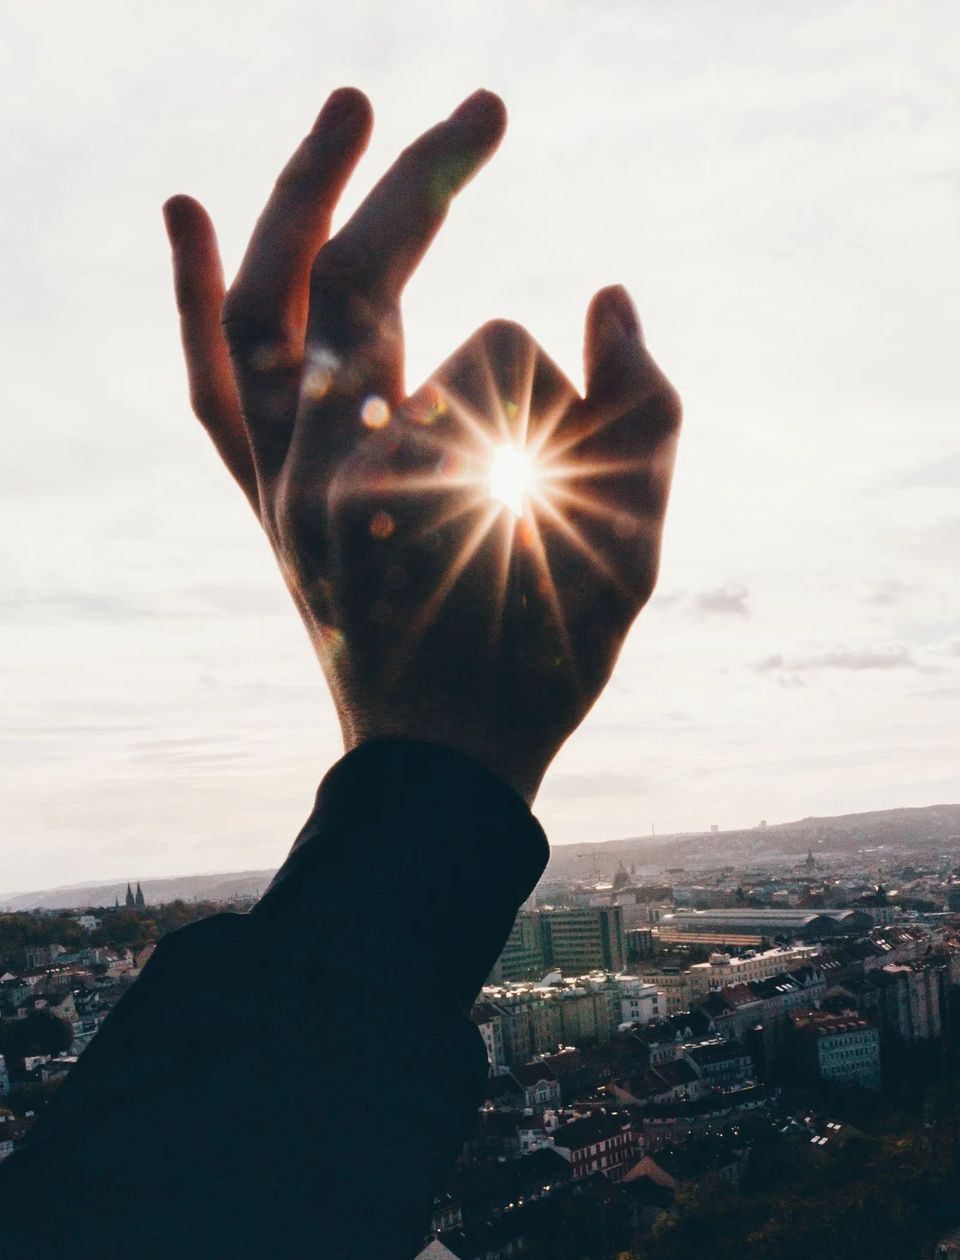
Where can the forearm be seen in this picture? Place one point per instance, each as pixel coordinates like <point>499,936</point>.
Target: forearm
<point>296,1081</point>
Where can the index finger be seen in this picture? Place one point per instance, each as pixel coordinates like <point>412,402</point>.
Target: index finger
<point>270,294</point>
<point>377,250</point>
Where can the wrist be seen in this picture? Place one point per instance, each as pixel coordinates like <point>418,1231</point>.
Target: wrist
<point>520,773</point>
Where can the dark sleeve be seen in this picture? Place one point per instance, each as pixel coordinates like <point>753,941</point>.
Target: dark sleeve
<point>296,1082</point>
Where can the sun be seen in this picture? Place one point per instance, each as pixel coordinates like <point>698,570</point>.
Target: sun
<point>512,477</point>
<point>503,472</point>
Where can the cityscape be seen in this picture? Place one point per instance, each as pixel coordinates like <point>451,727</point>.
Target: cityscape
<point>676,1054</point>
<point>710,1033</point>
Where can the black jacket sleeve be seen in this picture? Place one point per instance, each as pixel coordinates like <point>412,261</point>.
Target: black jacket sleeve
<point>296,1081</point>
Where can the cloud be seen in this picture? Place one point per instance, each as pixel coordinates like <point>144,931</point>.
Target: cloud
<point>944,471</point>
<point>728,600</point>
<point>568,785</point>
<point>724,601</point>
<point>854,659</point>
<point>193,752</point>
<point>939,693</point>
<point>67,604</point>
<point>891,592</point>
<point>671,599</point>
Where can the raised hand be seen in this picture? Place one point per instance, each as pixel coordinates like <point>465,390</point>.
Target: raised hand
<point>468,560</point>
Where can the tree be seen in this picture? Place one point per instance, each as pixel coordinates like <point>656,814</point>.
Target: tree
<point>39,1033</point>
<point>888,1196</point>
<point>32,1095</point>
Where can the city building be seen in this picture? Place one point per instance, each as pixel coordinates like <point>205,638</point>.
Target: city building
<point>576,941</point>
<point>733,1010</point>
<point>840,1049</point>
<point>757,964</point>
<point>599,1143</point>
<point>538,1083</point>
<point>907,1000</point>
<point>641,1002</point>
<point>520,1021</point>
<point>489,1018</point>
<point>35,956</point>
<point>682,987</point>
<point>570,940</point>
<point>788,923</point>
<point>641,943</point>
<point>796,990</point>
<point>522,956</point>
<point>720,1064</point>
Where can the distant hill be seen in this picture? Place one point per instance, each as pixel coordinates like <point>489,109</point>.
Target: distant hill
<point>931,828</point>
<point>218,887</point>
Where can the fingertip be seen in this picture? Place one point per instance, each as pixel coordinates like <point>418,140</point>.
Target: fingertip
<point>172,211</point>
<point>181,214</point>
<point>612,314</point>
<point>484,112</point>
<point>613,343</point>
<point>347,108</point>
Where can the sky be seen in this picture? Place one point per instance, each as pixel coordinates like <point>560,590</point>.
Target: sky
<point>778,187</point>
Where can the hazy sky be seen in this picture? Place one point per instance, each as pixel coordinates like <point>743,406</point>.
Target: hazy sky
<point>778,186</point>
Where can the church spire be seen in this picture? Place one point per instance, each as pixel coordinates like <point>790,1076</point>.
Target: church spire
<point>140,899</point>
<point>129,901</point>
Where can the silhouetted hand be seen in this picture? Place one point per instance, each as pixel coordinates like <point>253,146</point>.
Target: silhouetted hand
<point>439,611</point>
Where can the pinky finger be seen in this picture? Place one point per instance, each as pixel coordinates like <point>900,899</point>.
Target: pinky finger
<point>199,288</point>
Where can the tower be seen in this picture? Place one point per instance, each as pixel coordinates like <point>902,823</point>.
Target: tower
<point>139,900</point>
<point>129,900</point>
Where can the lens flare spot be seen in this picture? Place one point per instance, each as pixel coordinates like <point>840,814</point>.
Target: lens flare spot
<point>318,372</point>
<point>452,464</point>
<point>269,357</point>
<point>512,477</point>
<point>331,641</point>
<point>382,525</point>
<point>430,406</point>
<point>375,412</point>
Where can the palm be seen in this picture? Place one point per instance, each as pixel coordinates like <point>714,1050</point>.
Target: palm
<point>437,611</point>
<point>438,582</point>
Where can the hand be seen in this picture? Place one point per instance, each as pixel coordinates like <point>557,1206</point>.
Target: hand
<point>437,612</point>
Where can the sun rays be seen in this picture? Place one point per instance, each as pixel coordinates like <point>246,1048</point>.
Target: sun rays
<point>513,477</point>
<point>498,450</point>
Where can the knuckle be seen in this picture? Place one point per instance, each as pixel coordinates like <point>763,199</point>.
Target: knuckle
<point>419,153</point>
<point>298,513</point>
<point>656,409</point>
<point>340,265</point>
<point>239,319</point>
<point>256,339</point>
<point>296,171</point>
<point>203,403</point>
<point>299,522</point>
<point>672,407</point>
<point>644,570</point>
